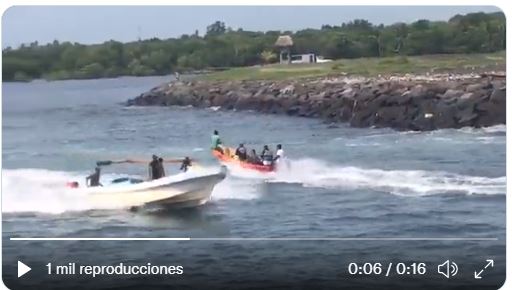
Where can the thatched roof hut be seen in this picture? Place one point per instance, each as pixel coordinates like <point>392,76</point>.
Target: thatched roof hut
<point>284,41</point>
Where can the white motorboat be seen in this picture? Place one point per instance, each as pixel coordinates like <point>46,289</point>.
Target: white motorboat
<point>183,190</point>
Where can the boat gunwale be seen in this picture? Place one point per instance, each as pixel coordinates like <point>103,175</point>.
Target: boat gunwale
<point>120,189</point>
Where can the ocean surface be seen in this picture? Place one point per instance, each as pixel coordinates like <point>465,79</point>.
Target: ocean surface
<point>341,182</point>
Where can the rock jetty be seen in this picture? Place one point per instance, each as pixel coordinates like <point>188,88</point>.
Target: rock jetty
<point>420,103</point>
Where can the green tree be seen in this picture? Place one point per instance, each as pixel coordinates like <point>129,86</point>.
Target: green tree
<point>268,56</point>
<point>93,70</point>
<point>223,47</point>
<point>216,29</point>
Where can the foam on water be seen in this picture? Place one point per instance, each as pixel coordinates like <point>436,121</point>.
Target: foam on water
<point>493,130</point>
<point>236,188</point>
<point>316,173</point>
<point>496,129</point>
<point>39,190</point>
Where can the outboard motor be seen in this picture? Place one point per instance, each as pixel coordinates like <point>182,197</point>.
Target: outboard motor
<point>72,184</point>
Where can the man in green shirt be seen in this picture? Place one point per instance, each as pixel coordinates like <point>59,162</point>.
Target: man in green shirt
<point>216,142</point>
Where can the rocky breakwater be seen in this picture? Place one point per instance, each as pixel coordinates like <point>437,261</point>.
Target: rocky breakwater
<point>404,103</point>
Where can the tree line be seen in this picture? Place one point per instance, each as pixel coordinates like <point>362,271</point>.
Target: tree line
<point>223,47</point>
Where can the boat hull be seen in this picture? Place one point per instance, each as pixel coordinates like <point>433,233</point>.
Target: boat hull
<point>231,160</point>
<point>166,192</point>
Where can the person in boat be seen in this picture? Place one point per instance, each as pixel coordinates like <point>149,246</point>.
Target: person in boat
<point>154,168</point>
<point>241,152</point>
<point>279,153</point>
<point>253,157</point>
<point>216,142</point>
<point>161,166</point>
<point>94,179</point>
<point>267,156</point>
<point>185,164</point>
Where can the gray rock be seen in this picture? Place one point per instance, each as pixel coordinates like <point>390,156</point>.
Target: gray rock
<point>498,96</point>
<point>466,96</point>
<point>474,87</point>
<point>450,93</point>
<point>288,90</point>
<point>404,103</point>
<point>490,113</point>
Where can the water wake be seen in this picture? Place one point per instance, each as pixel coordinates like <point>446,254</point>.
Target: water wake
<point>496,129</point>
<point>316,173</point>
<point>236,188</point>
<point>40,190</point>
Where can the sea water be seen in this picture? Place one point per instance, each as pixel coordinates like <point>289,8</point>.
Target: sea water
<point>339,182</point>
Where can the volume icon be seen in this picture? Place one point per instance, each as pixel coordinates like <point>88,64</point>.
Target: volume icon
<point>448,269</point>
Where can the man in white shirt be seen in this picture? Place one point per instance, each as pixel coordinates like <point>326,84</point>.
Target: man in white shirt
<point>279,153</point>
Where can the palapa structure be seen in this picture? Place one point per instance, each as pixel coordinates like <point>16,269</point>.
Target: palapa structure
<point>285,43</point>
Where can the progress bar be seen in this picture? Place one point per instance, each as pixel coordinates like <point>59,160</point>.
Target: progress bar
<point>260,239</point>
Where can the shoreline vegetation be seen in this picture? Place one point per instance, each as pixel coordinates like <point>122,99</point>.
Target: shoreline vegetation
<point>464,43</point>
<point>369,67</point>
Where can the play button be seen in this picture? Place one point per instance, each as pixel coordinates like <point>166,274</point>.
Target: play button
<point>22,269</point>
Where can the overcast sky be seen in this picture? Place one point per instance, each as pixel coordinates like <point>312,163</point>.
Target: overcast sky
<point>95,24</point>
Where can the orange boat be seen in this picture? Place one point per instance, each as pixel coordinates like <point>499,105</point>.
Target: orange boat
<point>229,159</point>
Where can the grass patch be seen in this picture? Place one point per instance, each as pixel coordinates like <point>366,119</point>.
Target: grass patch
<point>367,67</point>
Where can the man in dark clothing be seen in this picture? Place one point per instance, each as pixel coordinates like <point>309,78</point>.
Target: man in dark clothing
<point>267,156</point>
<point>241,152</point>
<point>185,164</point>
<point>94,179</point>
<point>154,168</point>
<point>161,167</point>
